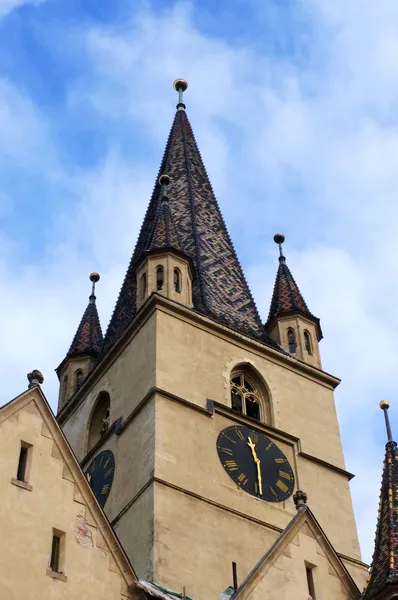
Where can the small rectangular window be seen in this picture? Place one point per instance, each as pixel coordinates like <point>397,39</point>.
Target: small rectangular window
<point>54,562</point>
<point>310,583</point>
<point>24,462</point>
<point>57,559</point>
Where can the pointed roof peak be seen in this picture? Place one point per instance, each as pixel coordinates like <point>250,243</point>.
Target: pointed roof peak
<point>220,290</point>
<point>286,297</point>
<point>88,337</point>
<point>384,568</point>
<point>164,235</point>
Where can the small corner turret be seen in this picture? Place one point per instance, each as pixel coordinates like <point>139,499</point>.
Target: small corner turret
<point>164,268</point>
<point>83,352</point>
<point>290,323</point>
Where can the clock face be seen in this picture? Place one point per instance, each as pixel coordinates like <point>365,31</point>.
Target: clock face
<point>100,473</point>
<point>255,463</point>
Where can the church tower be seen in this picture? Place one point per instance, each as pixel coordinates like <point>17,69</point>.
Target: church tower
<point>197,425</point>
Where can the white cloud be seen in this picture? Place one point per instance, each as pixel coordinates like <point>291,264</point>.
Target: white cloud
<point>6,6</point>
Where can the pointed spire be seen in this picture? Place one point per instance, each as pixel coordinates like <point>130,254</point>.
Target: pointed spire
<point>164,234</point>
<point>219,290</point>
<point>88,338</point>
<point>286,297</point>
<point>384,568</point>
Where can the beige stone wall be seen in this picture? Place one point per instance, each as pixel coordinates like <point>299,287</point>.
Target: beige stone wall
<point>195,364</point>
<point>286,578</point>
<point>127,380</point>
<point>196,544</point>
<point>28,516</point>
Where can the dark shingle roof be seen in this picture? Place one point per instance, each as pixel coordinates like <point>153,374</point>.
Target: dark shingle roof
<point>219,289</point>
<point>88,338</point>
<point>164,233</point>
<point>287,298</point>
<point>384,568</point>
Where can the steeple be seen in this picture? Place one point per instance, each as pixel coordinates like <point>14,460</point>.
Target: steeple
<point>84,350</point>
<point>219,290</point>
<point>290,322</point>
<point>383,576</point>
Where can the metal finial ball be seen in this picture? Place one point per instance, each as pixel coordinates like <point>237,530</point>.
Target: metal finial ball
<point>279,238</point>
<point>94,277</point>
<point>384,404</point>
<point>180,84</point>
<point>164,179</point>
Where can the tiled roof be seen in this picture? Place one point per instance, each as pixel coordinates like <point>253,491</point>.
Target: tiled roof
<point>219,290</point>
<point>384,568</point>
<point>88,338</point>
<point>164,233</point>
<point>287,298</point>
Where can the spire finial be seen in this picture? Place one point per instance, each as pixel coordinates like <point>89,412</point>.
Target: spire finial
<point>94,278</point>
<point>164,181</point>
<point>279,238</point>
<point>385,405</point>
<point>180,85</point>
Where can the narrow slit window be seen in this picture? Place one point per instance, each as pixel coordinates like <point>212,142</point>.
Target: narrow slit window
<point>143,285</point>
<point>65,386</point>
<point>177,281</point>
<point>23,463</point>
<point>308,342</point>
<point>55,553</point>
<point>159,278</point>
<point>310,583</point>
<point>78,379</point>
<point>291,338</point>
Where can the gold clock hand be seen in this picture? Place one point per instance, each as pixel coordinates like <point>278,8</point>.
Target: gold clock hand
<point>258,464</point>
<point>89,478</point>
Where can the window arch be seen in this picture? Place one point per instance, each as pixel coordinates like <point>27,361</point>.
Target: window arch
<point>100,419</point>
<point>291,340</point>
<point>249,395</point>
<point>79,376</point>
<point>177,280</point>
<point>143,285</point>
<point>308,342</point>
<point>159,277</point>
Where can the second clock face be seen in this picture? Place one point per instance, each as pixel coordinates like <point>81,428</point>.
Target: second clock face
<point>255,463</point>
<point>100,474</point>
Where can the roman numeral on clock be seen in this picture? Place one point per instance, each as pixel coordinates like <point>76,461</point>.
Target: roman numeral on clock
<point>282,486</point>
<point>231,465</point>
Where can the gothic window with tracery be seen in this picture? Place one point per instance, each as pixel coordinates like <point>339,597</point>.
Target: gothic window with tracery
<point>308,342</point>
<point>245,398</point>
<point>291,339</point>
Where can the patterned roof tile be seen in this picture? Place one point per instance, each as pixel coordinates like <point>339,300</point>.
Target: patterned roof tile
<point>88,338</point>
<point>384,568</point>
<point>220,290</point>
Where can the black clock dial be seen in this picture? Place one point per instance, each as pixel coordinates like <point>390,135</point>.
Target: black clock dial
<point>255,463</point>
<point>100,473</point>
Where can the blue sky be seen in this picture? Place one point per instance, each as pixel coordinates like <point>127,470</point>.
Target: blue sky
<point>294,106</point>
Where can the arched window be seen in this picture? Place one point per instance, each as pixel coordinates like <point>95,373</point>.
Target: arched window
<point>100,419</point>
<point>78,379</point>
<point>143,285</point>
<point>159,278</point>
<point>245,397</point>
<point>177,280</point>
<point>291,340</point>
<point>308,342</point>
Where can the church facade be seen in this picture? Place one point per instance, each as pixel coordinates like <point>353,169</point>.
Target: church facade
<point>210,439</point>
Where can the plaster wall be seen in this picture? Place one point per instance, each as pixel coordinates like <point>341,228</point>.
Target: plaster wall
<point>28,516</point>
